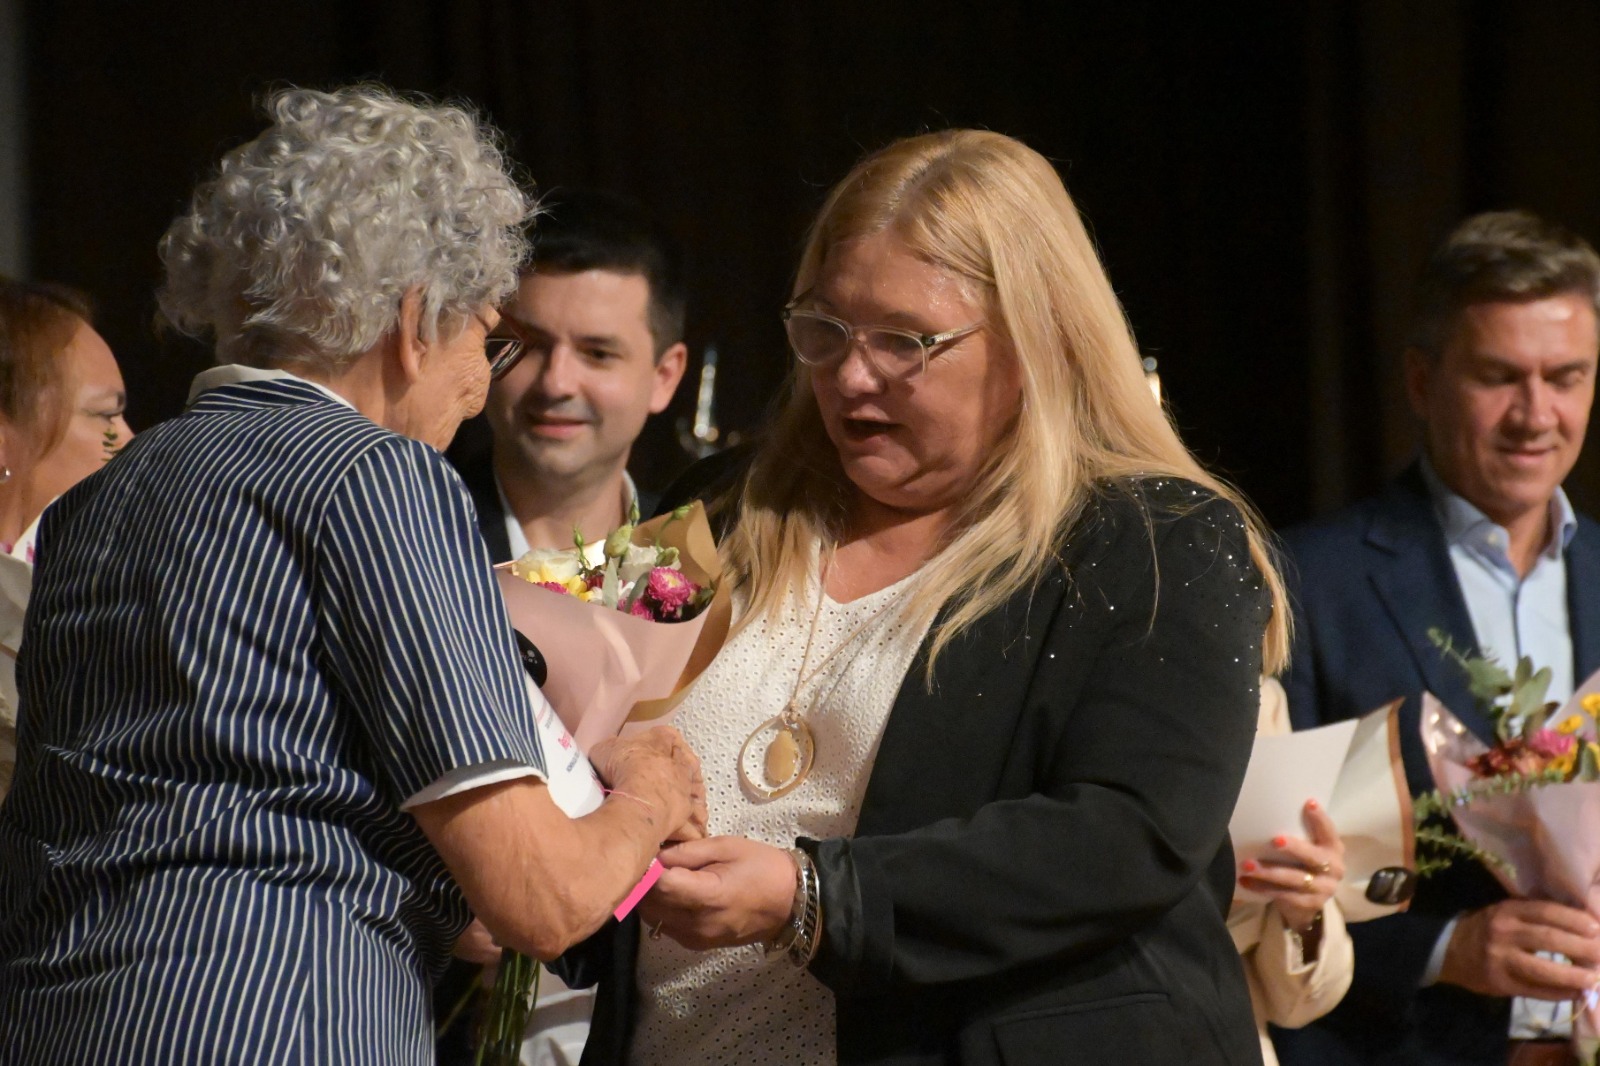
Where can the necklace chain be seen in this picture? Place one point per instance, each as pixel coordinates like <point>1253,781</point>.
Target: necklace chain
<point>787,751</point>
<point>791,710</point>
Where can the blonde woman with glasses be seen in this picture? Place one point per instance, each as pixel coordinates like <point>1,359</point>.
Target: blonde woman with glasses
<point>976,737</point>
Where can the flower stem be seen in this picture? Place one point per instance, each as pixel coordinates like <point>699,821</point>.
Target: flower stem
<point>516,989</point>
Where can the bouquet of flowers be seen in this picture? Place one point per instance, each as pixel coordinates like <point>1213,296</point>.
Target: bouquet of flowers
<point>613,633</point>
<point>620,664</point>
<point>1528,805</point>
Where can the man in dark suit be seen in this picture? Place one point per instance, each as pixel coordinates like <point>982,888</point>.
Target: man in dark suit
<point>601,309</point>
<point>1476,538</point>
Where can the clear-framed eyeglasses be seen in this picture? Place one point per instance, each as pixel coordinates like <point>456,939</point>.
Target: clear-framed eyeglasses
<point>502,347</point>
<point>895,354</point>
<point>502,352</point>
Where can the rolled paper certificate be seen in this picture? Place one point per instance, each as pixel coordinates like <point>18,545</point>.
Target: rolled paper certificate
<point>574,785</point>
<point>1286,770</point>
<point>1353,770</point>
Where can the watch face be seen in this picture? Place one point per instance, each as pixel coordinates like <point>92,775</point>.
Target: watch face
<point>1392,885</point>
<point>532,659</point>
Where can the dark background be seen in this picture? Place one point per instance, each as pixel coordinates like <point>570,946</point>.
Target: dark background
<point>1263,178</point>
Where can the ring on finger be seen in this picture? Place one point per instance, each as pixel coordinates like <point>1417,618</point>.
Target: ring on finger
<point>1310,877</point>
<point>1322,867</point>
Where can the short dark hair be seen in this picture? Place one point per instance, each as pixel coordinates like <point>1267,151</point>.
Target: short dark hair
<point>589,229</point>
<point>1499,256</point>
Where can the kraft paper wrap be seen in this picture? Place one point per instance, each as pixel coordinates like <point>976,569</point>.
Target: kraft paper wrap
<point>1371,806</point>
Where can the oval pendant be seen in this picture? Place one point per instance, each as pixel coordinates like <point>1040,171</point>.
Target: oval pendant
<point>777,757</point>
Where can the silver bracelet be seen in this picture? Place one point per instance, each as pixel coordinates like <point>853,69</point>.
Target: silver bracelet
<point>801,934</point>
<point>808,921</point>
<point>780,944</point>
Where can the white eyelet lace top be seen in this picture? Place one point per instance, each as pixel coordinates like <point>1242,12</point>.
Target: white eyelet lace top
<point>732,1005</point>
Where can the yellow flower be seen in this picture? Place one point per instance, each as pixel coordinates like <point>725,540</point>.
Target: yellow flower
<point>576,585</point>
<point>1591,703</point>
<point>1565,763</point>
<point>1571,724</point>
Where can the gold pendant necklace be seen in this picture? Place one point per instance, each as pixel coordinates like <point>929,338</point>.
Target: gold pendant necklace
<point>777,757</point>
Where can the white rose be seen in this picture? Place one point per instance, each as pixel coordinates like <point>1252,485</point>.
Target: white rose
<point>639,561</point>
<point>547,564</point>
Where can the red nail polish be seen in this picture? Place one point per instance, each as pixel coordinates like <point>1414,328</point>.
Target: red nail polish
<point>1249,865</point>
<point>1279,842</point>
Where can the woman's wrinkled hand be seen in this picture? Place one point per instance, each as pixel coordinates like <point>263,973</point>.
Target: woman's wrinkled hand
<point>656,768</point>
<point>1302,877</point>
<point>721,892</point>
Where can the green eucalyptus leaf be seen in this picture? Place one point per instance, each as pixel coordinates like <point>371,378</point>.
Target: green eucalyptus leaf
<point>1528,698</point>
<point>1487,679</point>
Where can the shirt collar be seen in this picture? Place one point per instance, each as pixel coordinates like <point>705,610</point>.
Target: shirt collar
<point>16,583</point>
<point>235,373</point>
<point>1466,525</point>
<point>593,553</point>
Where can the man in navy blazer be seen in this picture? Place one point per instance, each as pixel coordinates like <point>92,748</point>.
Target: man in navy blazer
<point>1477,538</point>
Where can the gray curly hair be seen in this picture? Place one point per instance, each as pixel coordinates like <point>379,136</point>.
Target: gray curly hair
<point>300,248</point>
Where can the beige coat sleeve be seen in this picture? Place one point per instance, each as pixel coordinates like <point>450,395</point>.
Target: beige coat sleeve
<point>1294,992</point>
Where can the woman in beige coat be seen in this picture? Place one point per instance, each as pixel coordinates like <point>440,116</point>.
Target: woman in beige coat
<point>1297,954</point>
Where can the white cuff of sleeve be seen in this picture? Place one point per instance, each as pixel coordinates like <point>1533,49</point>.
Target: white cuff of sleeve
<point>466,778</point>
<point>1430,976</point>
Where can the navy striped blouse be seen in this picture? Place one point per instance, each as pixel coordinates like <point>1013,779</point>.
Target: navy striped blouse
<point>252,638</point>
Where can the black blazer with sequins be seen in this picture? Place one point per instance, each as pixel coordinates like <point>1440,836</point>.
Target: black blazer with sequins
<point>1041,869</point>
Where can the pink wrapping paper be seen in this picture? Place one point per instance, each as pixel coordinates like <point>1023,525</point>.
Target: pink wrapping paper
<point>1550,834</point>
<point>608,669</point>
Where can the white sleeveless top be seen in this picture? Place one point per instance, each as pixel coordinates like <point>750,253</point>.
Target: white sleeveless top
<point>732,1005</point>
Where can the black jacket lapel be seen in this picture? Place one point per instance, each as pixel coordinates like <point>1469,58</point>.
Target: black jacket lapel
<point>1583,599</point>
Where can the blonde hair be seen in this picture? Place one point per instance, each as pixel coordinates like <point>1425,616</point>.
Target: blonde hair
<point>994,212</point>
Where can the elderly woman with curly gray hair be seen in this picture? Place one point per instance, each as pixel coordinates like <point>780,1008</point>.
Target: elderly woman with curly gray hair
<point>275,739</point>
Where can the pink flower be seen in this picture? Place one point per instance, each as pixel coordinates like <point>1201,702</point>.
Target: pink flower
<point>640,609</point>
<point>1550,744</point>
<point>553,586</point>
<point>669,588</point>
